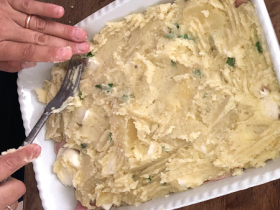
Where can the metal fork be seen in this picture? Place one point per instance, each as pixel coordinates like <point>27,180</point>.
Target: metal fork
<point>59,102</point>
<point>68,89</point>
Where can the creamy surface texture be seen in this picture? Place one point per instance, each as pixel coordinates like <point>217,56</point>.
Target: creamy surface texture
<point>172,98</point>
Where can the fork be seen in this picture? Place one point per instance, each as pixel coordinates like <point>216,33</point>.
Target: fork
<point>59,102</point>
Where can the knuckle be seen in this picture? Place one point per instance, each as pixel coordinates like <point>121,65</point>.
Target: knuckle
<point>11,163</point>
<point>41,39</point>
<point>26,5</point>
<point>40,24</point>
<point>5,27</point>
<point>44,8</point>
<point>3,32</point>
<point>29,51</point>
<point>11,67</point>
<point>64,30</point>
<point>2,48</point>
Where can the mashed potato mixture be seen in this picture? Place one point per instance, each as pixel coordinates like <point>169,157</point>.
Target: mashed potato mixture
<point>172,98</point>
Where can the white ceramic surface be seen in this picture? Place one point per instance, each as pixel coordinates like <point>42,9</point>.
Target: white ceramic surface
<point>55,196</point>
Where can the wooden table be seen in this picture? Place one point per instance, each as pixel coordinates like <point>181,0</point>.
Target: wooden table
<point>264,197</point>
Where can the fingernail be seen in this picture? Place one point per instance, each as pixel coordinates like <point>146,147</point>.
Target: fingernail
<point>83,47</point>
<point>36,150</point>
<point>65,53</point>
<point>26,65</point>
<point>80,34</point>
<point>58,11</point>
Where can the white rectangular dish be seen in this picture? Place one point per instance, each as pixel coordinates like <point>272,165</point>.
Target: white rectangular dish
<point>55,196</point>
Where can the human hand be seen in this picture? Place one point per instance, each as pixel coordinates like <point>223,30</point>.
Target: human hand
<point>12,189</point>
<point>44,41</point>
<point>81,207</point>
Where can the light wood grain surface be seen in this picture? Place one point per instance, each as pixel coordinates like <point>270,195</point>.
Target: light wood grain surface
<point>264,197</point>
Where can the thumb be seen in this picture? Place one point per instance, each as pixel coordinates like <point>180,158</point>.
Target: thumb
<point>11,162</point>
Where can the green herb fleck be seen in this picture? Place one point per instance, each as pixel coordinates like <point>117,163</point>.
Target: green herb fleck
<point>231,62</point>
<point>164,184</point>
<point>150,179</point>
<point>259,47</point>
<point>186,36</point>
<point>83,145</point>
<point>177,25</point>
<point>197,72</point>
<point>125,98</point>
<point>173,63</point>
<point>110,137</point>
<point>106,88</point>
<point>99,86</point>
<point>109,87</point>
<point>90,54</point>
<point>164,149</point>
<point>81,96</point>
<point>133,176</point>
<point>169,36</point>
<point>205,95</point>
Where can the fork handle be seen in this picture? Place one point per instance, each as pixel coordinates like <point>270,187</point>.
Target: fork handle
<point>36,129</point>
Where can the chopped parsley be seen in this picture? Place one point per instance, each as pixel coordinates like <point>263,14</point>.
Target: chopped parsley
<point>107,88</point>
<point>126,98</point>
<point>98,86</point>
<point>169,36</point>
<point>177,25</point>
<point>173,63</point>
<point>259,47</point>
<point>231,62</point>
<point>164,149</point>
<point>197,72</point>
<point>81,96</point>
<point>90,54</point>
<point>186,36</point>
<point>83,145</point>
<point>149,179</point>
<point>164,184</point>
<point>110,137</point>
<point>205,95</point>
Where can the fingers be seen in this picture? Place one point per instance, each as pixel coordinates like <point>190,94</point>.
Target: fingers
<point>58,29</point>
<point>13,206</point>
<point>80,207</point>
<point>38,8</point>
<point>238,3</point>
<point>33,37</point>
<point>52,28</point>
<point>10,192</point>
<point>33,53</point>
<point>10,163</point>
<point>58,145</point>
<point>14,66</point>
